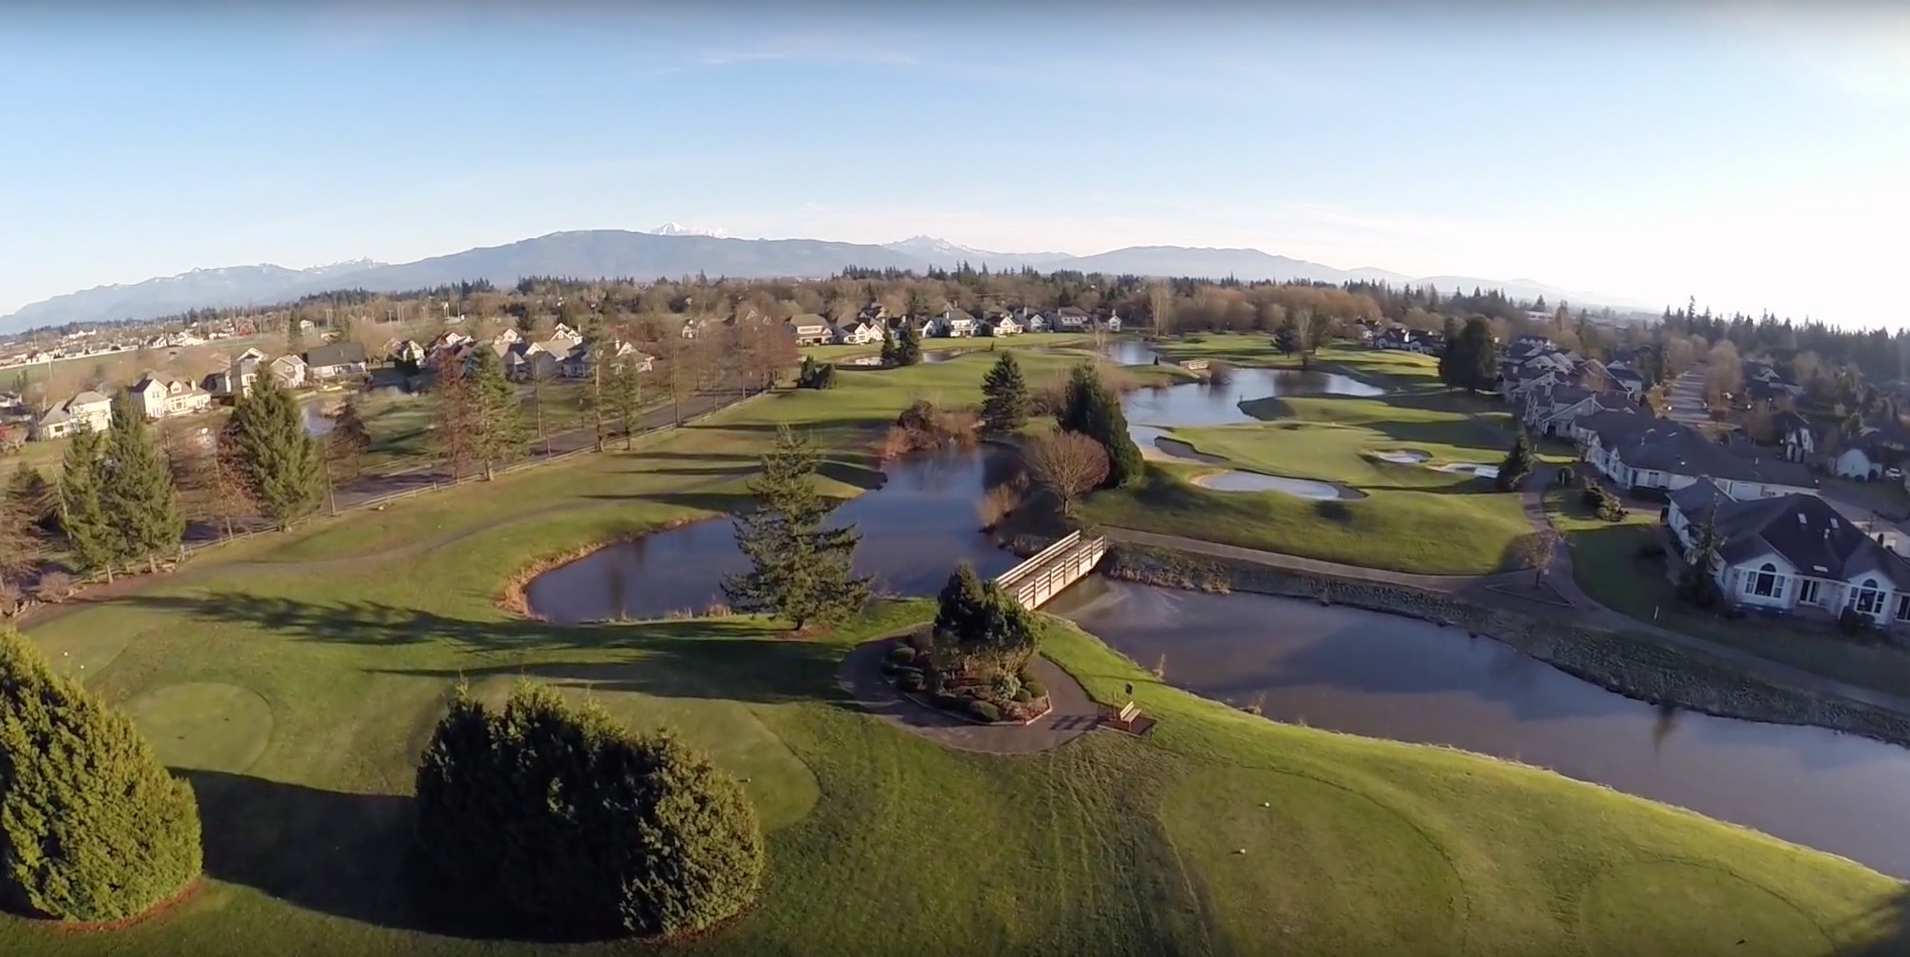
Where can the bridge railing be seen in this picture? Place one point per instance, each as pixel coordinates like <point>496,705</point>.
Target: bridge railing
<point>1051,571</point>
<point>1012,575</point>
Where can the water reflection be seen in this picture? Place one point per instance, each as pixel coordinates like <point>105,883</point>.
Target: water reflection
<point>914,529</point>
<point>1390,677</point>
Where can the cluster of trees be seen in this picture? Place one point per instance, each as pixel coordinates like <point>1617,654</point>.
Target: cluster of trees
<point>1516,466</point>
<point>1092,410</point>
<point>980,628</point>
<point>576,825</point>
<point>1470,359</point>
<point>92,827</point>
<point>801,570</point>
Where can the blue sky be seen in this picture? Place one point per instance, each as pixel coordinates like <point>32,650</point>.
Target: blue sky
<point>1754,156</point>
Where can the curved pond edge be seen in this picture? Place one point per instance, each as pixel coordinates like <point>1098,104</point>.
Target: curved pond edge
<point>1627,664</point>
<point>513,597</point>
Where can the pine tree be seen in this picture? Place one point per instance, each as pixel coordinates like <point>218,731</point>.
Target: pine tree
<point>92,828</point>
<point>30,492</point>
<point>1516,465</point>
<point>1449,355</point>
<point>888,347</point>
<point>1005,403</point>
<point>1092,410</point>
<point>347,445</point>
<point>497,420</point>
<point>801,571</point>
<point>908,351</point>
<point>92,539</point>
<point>282,467</point>
<point>1476,367</point>
<point>136,489</point>
<point>21,547</point>
<point>624,393</point>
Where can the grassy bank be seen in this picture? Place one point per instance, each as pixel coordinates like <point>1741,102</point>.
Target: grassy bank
<point>1607,564</point>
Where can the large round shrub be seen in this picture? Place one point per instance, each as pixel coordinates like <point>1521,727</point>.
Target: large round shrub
<point>92,827</point>
<point>569,819</point>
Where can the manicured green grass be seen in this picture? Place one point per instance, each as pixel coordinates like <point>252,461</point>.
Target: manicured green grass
<point>1607,565</point>
<point>1465,530</point>
<point>1333,439</point>
<point>1026,340</point>
<point>881,841</point>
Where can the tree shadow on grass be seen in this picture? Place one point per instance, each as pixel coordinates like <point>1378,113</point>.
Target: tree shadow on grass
<point>343,855</point>
<point>1882,930</point>
<point>731,658</point>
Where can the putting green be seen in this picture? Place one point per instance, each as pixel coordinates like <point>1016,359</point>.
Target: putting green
<point>1326,871</point>
<point>1697,911</point>
<point>779,784</point>
<point>204,726</point>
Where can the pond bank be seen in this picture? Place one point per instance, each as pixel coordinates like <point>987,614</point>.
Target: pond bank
<point>1634,666</point>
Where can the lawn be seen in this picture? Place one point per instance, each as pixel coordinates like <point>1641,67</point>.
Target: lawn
<point>295,679</point>
<point>1414,518</point>
<point>1607,565</point>
<point>1028,340</point>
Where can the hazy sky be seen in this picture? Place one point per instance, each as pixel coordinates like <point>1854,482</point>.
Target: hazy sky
<point>1755,156</point>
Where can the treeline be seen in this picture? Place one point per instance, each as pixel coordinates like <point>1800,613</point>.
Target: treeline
<point>1880,354</point>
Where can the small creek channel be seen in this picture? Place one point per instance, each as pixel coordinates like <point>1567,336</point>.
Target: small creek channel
<point>1332,667</point>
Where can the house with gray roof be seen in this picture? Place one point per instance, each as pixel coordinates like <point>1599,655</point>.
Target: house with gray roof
<point>1655,456</point>
<point>1792,554</point>
<point>87,409</point>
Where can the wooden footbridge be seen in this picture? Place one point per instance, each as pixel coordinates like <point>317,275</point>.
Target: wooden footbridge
<point>1054,568</point>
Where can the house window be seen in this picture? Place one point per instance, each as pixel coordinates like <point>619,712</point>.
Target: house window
<point>1807,592</point>
<point>1868,599</point>
<point>1766,582</point>
<point>1903,607</point>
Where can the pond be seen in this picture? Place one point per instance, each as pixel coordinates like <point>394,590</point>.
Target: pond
<point>1390,677</point>
<point>922,521</point>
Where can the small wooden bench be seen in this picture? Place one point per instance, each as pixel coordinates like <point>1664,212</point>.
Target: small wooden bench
<point>1128,713</point>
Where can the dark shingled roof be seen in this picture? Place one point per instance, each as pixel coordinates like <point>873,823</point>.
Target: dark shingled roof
<point>1804,529</point>
<point>335,354</point>
<point>1681,450</point>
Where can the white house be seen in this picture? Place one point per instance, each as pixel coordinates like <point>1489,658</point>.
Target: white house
<point>157,396</point>
<point>1001,324</point>
<point>335,360</point>
<point>857,332</point>
<point>952,323</point>
<point>1793,554</point>
<point>1069,319</point>
<point>87,409</point>
<point>810,329</point>
<point>1857,462</point>
<point>1030,320</point>
<point>1795,433</point>
<point>287,370</point>
<point>1113,324</point>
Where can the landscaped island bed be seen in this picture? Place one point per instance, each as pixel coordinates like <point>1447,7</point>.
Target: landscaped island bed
<point>1220,832</point>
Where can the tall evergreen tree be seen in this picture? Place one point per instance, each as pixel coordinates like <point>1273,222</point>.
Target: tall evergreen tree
<point>1516,465</point>
<point>1005,396</point>
<point>347,445</point>
<point>888,347</point>
<point>623,391</point>
<point>92,827</point>
<point>283,468</point>
<point>1092,410</point>
<point>136,488</point>
<point>92,538</point>
<point>497,420</point>
<point>1472,360</point>
<point>801,570</point>
<point>908,348</point>
<point>1449,355</point>
<point>30,492</point>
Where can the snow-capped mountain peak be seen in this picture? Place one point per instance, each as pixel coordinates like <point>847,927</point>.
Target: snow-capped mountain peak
<point>678,229</point>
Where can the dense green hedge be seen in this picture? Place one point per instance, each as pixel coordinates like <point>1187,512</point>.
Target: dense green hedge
<point>564,816</point>
<point>92,827</point>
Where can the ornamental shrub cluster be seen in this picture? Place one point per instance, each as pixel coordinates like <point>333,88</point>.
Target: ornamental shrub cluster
<point>92,827</point>
<point>571,821</point>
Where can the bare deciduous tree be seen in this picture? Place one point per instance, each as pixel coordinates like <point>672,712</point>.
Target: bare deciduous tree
<point>1537,550</point>
<point>1068,464</point>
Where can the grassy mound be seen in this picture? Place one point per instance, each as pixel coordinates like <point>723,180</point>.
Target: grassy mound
<point>203,725</point>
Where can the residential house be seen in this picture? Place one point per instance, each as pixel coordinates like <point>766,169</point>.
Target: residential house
<point>289,371</point>
<point>544,359</point>
<point>576,365</point>
<point>1625,378</point>
<point>1113,323</point>
<point>561,331</point>
<point>335,360</point>
<point>953,323</point>
<point>234,382</point>
<point>1793,554</point>
<point>1649,456</point>
<point>1000,324</point>
<point>859,332</point>
<point>1069,319</point>
<point>1555,411</point>
<point>809,329</point>
<point>1030,320</point>
<point>157,396</point>
<point>1880,445</point>
<point>1795,435</point>
<point>404,351</point>
<point>86,409</point>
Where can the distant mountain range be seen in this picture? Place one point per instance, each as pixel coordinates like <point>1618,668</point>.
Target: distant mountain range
<point>677,250</point>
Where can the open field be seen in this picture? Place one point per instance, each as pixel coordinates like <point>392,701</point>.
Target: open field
<point>1029,340</point>
<point>1607,565</point>
<point>294,679</point>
